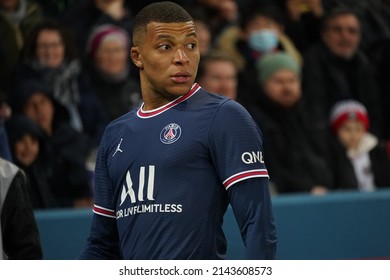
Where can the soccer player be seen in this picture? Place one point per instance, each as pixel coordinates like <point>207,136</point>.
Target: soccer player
<point>166,172</point>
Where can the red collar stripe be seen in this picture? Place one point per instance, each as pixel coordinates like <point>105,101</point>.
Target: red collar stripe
<point>155,112</point>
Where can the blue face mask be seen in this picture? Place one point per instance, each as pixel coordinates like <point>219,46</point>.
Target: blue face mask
<point>263,41</point>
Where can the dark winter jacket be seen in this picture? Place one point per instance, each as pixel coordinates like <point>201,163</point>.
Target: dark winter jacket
<point>328,79</point>
<point>39,189</point>
<point>343,171</point>
<point>293,157</point>
<point>119,96</point>
<point>19,238</point>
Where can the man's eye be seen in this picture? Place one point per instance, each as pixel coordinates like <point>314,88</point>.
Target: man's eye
<point>164,47</point>
<point>191,46</point>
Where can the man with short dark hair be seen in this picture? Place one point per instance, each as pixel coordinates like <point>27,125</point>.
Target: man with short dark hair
<point>336,69</point>
<point>166,172</point>
<point>217,73</point>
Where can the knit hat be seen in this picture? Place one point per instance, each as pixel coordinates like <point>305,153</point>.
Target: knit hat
<point>348,110</point>
<point>274,62</point>
<point>104,33</point>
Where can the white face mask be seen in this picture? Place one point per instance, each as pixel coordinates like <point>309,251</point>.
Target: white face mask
<point>263,41</point>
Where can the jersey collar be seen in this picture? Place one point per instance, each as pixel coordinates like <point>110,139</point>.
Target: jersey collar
<point>151,113</point>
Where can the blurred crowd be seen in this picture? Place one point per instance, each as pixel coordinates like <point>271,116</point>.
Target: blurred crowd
<point>312,73</point>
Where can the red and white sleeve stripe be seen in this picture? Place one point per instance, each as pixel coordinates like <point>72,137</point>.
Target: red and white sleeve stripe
<point>104,211</point>
<point>245,175</point>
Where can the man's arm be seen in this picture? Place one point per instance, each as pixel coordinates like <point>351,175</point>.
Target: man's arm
<point>251,204</point>
<point>237,153</point>
<point>103,240</point>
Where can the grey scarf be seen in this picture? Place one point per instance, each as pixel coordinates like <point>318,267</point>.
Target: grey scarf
<point>16,16</point>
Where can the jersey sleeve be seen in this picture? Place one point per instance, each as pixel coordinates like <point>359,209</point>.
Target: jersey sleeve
<point>103,242</point>
<point>236,145</point>
<point>252,207</point>
<point>103,189</point>
<point>237,153</point>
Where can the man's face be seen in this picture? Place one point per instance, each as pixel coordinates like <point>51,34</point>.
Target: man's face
<point>220,77</point>
<point>283,87</point>
<point>40,109</point>
<point>168,58</point>
<point>342,35</point>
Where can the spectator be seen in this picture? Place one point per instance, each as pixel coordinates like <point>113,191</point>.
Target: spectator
<point>203,29</point>
<point>54,8</point>
<point>26,140</point>
<point>217,73</point>
<point>260,32</point>
<point>359,161</point>
<point>5,151</point>
<point>220,14</point>
<point>379,55</point>
<point>83,16</point>
<point>303,21</point>
<point>107,53</point>
<point>49,57</point>
<point>65,150</point>
<point>5,113</point>
<point>291,150</point>
<point>335,69</point>
<point>19,236</point>
<point>17,18</point>
<point>374,16</point>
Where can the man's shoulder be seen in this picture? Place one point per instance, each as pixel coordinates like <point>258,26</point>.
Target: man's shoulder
<point>8,172</point>
<point>211,98</point>
<point>7,168</point>
<point>126,118</point>
<point>116,127</point>
<point>219,105</point>
<point>222,108</point>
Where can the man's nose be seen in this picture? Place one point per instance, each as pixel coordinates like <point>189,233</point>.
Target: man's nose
<point>181,57</point>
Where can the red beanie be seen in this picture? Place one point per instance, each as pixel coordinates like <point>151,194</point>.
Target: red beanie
<point>104,33</point>
<point>348,110</point>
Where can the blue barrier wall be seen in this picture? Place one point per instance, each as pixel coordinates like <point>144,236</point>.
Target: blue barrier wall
<point>345,225</point>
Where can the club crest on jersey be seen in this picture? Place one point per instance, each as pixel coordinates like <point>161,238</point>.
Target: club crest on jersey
<point>170,133</point>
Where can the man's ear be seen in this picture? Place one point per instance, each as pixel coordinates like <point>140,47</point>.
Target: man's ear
<point>136,57</point>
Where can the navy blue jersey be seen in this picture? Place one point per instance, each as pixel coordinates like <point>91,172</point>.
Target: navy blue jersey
<point>164,179</point>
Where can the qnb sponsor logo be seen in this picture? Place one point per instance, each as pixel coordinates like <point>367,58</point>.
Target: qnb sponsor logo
<point>129,193</point>
<point>252,157</point>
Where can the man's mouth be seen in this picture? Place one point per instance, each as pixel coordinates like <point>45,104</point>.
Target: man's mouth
<point>181,78</point>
